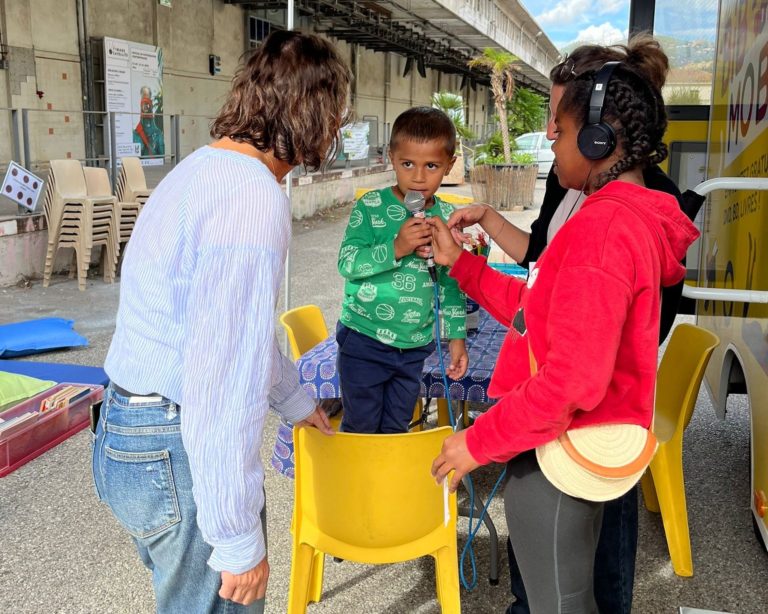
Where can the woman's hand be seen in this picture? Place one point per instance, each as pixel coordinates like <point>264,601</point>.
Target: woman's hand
<point>318,419</point>
<point>454,457</point>
<point>446,251</point>
<point>467,216</point>
<point>247,587</point>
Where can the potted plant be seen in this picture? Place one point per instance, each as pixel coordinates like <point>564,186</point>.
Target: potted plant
<point>501,181</point>
<point>453,106</point>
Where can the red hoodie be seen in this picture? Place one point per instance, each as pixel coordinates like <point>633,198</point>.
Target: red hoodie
<point>590,311</point>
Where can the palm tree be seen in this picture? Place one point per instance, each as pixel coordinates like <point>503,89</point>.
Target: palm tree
<point>501,64</point>
<point>453,106</point>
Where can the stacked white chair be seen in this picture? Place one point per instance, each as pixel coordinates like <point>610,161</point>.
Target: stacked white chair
<point>131,183</point>
<point>78,221</point>
<point>126,213</point>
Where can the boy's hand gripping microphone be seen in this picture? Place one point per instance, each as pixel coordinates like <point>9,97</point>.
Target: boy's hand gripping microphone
<point>414,202</point>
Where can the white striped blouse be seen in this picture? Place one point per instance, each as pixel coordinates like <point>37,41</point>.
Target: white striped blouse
<point>196,324</point>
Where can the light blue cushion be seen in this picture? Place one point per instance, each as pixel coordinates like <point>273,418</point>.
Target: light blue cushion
<point>34,336</point>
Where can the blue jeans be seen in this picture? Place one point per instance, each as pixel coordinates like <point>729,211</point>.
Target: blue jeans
<point>614,560</point>
<point>379,383</point>
<point>141,470</point>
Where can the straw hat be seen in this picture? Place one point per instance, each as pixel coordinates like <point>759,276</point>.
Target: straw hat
<point>597,463</point>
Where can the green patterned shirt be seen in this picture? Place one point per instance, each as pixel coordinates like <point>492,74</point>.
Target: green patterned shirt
<point>392,300</point>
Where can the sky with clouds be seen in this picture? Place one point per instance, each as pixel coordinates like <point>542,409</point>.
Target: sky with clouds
<point>605,21</point>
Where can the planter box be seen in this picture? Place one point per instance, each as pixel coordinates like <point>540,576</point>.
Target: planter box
<point>506,187</point>
<point>456,176</point>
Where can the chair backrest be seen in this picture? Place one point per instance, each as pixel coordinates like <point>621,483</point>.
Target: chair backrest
<point>371,497</point>
<point>69,178</point>
<point>134,173</point>
<point>679,379</point>
<point>97,181</point>
<point>306,328</point>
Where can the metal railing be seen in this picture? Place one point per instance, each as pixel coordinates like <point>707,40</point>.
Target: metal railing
<point>33,137</point>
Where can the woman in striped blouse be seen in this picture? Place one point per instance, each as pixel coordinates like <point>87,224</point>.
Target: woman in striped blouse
<point>194,362</point>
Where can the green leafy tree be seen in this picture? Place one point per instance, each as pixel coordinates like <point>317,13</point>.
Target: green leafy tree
<point>527,112</point>
<point>501,65</point>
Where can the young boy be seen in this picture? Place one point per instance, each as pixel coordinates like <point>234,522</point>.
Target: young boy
<point>386,329</point>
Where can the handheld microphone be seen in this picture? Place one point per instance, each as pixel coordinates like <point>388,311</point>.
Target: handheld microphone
<point>415,203</point>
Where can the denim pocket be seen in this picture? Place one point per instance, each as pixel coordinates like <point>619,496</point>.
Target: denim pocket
<point>94,466</point>
<point>141,491</point>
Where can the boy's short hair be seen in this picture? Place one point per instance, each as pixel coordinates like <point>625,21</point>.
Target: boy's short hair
<point>290,98</point>
<point>423,124</point>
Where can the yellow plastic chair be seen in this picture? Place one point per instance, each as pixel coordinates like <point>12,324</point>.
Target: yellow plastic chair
<point>306,328</point>
<point>677,386</point>
<point>370,499</point>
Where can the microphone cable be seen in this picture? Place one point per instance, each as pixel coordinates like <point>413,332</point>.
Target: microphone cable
<point>468,550</point>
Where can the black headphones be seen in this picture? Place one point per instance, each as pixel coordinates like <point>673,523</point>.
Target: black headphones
<point>596,139</point>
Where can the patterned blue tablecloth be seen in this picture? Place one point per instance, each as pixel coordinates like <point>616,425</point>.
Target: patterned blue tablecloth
<point>317,372</point>
<point>317,368</point>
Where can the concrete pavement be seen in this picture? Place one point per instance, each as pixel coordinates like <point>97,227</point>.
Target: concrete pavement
<point>62,551</point>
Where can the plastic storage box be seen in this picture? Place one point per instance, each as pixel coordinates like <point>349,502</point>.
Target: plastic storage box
<point>44,430</point>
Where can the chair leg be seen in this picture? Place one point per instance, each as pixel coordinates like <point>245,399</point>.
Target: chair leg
<point>649,492</point>
<point>73,265</point>
<point>443,417</point>
<point>50,256</point>
<point>418,414</point>
<point>438,588</point>
<point>82,269</point>
<point>301,573</point>
<point>316,577</point>
<point>667,470</point>
<point>447,574</point>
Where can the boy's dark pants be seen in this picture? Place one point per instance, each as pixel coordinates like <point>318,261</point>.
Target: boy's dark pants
<point>379,383</point>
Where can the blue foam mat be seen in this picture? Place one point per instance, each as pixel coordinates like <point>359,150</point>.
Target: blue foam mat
<point>58,372</point>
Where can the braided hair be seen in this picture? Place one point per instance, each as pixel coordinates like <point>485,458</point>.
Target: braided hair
<point>635,110</point>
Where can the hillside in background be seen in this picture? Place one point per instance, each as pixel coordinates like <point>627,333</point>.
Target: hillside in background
<point>692,55</point>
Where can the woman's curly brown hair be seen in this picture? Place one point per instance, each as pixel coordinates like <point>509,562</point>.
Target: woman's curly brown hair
<point>289,98</point>
<point>634,109</point>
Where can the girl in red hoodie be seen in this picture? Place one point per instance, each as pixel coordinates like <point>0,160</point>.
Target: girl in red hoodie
<point>590,315</point>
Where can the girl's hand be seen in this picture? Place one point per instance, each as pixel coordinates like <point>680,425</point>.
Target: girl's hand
<point>454,457</point>
<point>446,250</point>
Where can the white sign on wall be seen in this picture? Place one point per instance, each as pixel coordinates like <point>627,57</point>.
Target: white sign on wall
<point>21,186</point>
<point>134,92</point>
<point>355,140</point>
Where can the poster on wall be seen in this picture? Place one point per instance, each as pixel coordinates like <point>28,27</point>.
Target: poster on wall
<point>134,92</point>
<point>355,140</point>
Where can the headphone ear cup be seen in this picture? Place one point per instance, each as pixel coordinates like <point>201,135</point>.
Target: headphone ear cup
<point>596,141</point>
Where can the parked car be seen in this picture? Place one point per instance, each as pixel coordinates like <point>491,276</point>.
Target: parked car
<point>540,147</point>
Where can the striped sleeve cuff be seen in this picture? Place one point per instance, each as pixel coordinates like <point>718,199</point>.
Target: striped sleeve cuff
<point>295,407</point>
<point>240,553</point>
